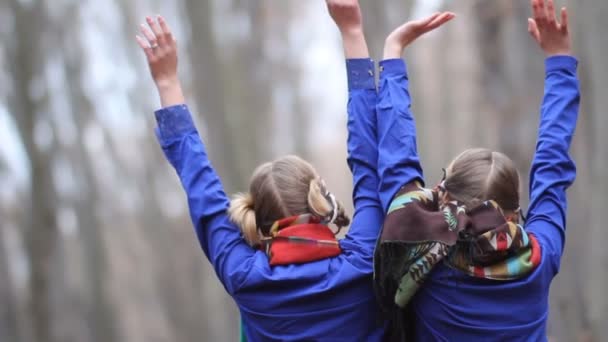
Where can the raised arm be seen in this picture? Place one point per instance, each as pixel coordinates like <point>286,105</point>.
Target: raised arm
<point>398,162</point>
<point>362,141</point>
<point>553,170</point>
<point>219,238</point>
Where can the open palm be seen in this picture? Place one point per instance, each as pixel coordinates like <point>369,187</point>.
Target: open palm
<point>551,34</point>
<point>407,33</point>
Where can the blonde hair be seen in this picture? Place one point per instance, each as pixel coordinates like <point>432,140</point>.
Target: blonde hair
<point>286,187</point>
<point>478,175</point>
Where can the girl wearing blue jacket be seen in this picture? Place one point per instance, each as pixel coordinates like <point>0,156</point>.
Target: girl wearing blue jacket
<point>453,263</point>
<point>272,247</point>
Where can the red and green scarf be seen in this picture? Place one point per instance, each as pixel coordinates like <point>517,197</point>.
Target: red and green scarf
<point>418,234</point>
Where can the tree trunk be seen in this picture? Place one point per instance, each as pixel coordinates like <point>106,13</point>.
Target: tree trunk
<point>41,231</point>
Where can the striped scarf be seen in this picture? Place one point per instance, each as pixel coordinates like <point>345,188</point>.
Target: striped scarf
<point>418,234</point>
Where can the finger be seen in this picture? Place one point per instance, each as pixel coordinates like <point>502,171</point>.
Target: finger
<point>142,42</point>
<point>166,30</point>
<point>534,6</point>
<point>533,30</point>
<point>158,32</point>
<point>442,19</point>
<point>447,16</point>
<point>538,12</point>
<point>426,21</point>
<point>144,46</point>
<point>436,19</point>
<point>551,20</point>
<point>564,21</point>
<point>149,36</point>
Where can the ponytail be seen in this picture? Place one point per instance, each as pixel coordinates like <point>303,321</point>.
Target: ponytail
<point>242,213</point>
<point>323,203</point>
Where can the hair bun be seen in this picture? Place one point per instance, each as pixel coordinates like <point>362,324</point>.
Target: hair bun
<point>242,213</point>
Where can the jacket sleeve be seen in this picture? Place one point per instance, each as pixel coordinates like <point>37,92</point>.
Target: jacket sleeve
<point>219,238</point>
<point>362,147</point>
<point>553,170</point>
<point>398,161</point>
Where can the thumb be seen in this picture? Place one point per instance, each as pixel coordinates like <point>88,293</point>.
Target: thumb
<point>533,30</point>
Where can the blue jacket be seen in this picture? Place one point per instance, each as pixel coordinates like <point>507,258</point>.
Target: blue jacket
<point>331,299</point>
<point>452,306</point>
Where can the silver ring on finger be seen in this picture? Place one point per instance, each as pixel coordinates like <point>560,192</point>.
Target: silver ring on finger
<point>153,45</point>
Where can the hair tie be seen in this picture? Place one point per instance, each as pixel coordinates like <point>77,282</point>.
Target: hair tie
<point>333,215</point>
<point>441,189</point>
<point>334,206</point>
<point>441,185</point>
<point>249,201</point>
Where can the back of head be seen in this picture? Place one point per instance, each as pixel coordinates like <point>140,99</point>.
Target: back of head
<point>286,187</point>
<point>477,175</point>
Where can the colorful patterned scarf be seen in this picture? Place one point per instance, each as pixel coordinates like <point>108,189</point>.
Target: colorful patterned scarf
<point>418,234</point>
<point>300,239</point>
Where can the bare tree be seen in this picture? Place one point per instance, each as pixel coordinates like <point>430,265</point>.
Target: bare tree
<point>41,229</point>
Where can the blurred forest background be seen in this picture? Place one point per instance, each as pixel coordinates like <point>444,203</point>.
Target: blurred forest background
<point>95,240</point>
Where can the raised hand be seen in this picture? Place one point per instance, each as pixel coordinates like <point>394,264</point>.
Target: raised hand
<point>160,49</point>
<point>347,16</point>
<point>407,33</point>
<point>552,35</point>
<point>161,52</point>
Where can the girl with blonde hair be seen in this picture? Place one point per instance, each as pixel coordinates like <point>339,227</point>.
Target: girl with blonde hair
<point>272,247</point>
<point>454,263</point>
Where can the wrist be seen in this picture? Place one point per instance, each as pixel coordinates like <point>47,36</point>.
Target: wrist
<point>355,45</point>
<point>170,92</point>
<point>167,83</point>
<point>352,32</point>
<point>393,48</point>
<point>563,48</point>
<point>558,53</point>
